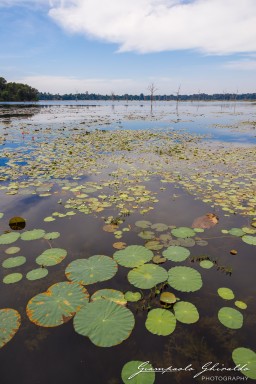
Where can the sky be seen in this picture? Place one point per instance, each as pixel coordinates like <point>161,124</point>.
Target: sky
<point>122,46</point>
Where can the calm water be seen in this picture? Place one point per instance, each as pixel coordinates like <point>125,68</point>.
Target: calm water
<point>38,355</point>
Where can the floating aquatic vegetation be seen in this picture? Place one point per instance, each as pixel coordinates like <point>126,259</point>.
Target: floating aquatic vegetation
<point>240,304</point>
<point>130,369</point>
<point>36,274</point>
<point>52,235</point>
<point>185,279</point>
<point>159,259</point>
<point>51,257</point>
<point>12,278</point>
<point>160,322</point>
<point>57,305</point>
<point>205,222</point>
<point>34,234</point>
<point>176,253</point>
<point>245,357</point>
<point>9,325</point>
<point>17,223</point>
<point>207,264</point>
<point>168,298</point>
<point>147,235</point>
<point>226,293</point>
<point>104,322</point>
<point>186,312</point>
<point>236,232</point>
<point>154,245</point>
<point>119,245</point>
<point>110,294</point>
<point>12,250</point>
<point>183,232</point>
<point>92,270</point>
<point>9,238</point>
<point>230,318</point>
<point>143,224</point>
<point>147,276</point>
<point>133,256</point>
<point>132,296</point>
<point>13,262</point>
<point>159,227</point>
<point>249,239</point>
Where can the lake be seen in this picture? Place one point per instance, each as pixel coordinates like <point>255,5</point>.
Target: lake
<point>128,235</point>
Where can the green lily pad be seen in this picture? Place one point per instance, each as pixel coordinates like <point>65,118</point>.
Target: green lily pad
<point>245,356</point>
<point>147,276</point>
<point>159,259</point>
<point>249,231</point>
<point>12,250</point>
<point>154,245</point>
<point>186,312</point>
<point>9,324</point>
<point>226,293</point>
<point>187,242</point>
<point>168,298</point>
<point>12,278</point>
<point>132,296</point>
<point>1,215</point>
<point>143,224</point>
<point>176,253</point>
<point>248,239</point>
<point>13,262</point>
<point>207,264</point>
<point>240,304</point>
<point>132,373</point>
<point>34,234</point>
<point>185,279</point>
<point>57,305</point>
<point>146,235</point>
<point>133,256</point>
<point>236,232</point>
<point>159,227</point>
<point>183,232</point>
<point>230,318</point>
<point>110,294</point>
<point>104,322</point>
<point>89,271</point>
<point>36,274</point>
<point>49,219</point>
<point>51,235</point>
<point>8,238</point>
<point>160,322</point>
<point>52,256</point>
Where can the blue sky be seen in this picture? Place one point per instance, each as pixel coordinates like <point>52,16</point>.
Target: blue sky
<point>123,45</point>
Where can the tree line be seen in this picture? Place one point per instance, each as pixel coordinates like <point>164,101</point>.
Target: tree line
<point>17,91</point>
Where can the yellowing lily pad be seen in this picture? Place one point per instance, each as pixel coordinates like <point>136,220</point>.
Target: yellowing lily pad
<point>51,257</point>
<point>109,294</point>
<point>9,325</point>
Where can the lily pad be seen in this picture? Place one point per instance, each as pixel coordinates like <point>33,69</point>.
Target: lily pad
<point>236,232</point>
<point>111,295</point>
<point>186,312</point>
<point>159,227</point>
<point>12,250</point>
<point>185,279</point>
<point>36,274</point>
<point>240,304</point>
<point>183,232</point>
<point>176,253</point>
<point>89,271</point>
<point>9,324</point>
<point>154,245</point>
<point>143,224</point>
<point>160,322</point>
<point>146,235</point>
<point>52,256</point>
<point>248,239</point>
<point>132,373</point>
<point>51,235</point>
<point>104,322</point>
<point>230,318</point>
<point>147,276</point>
<point>17,223</point>
<point>57,305</point>
<point>226,293</point>
<point>245,356</point>
<point>13,262</point>
<point>133,256</point>
<point>132,296</point>
<point>12,278</point>
<point>8,238</point>
<point>159,259</point>
<point>34,234</point>
<point>168,298</point>
<point>207,264</point>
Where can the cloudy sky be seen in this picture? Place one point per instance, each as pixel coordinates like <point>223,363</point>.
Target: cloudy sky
<point>123,45</point>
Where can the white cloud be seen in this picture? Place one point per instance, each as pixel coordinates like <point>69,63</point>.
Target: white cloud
<point>242,65</point>
<point>210,26</point>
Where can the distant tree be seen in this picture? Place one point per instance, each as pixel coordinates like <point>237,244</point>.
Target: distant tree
<point>152,89</point>
<point>17,91</point>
